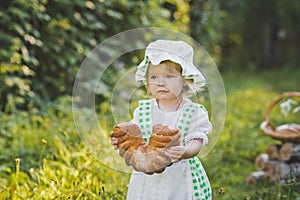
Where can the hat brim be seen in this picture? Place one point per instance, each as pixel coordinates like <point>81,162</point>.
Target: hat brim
<point>189,71</point>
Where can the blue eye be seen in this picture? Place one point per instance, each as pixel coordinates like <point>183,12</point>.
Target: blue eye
<point>170,76</point>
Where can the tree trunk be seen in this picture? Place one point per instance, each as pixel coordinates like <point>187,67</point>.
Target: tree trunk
<point>273,151</point>
<point>282,170</point>
<point>257,177</point>
<point>290,152</point>
<point>260,161</point>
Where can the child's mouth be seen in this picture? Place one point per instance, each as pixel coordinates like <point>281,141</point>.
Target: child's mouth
<point>162,91</point>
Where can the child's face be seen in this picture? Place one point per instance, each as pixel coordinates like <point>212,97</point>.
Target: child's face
<point>165,82</point>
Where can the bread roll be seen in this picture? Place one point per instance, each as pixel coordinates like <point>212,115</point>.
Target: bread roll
<point>148,158</point>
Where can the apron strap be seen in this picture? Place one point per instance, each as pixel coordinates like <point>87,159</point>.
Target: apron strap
<point>145,120</point>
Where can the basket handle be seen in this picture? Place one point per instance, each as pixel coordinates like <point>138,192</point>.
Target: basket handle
<point>276,100</point>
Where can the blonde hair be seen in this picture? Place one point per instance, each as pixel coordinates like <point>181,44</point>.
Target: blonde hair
<point>173,65</point>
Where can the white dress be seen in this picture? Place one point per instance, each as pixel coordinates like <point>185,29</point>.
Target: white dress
<point>184,180</point>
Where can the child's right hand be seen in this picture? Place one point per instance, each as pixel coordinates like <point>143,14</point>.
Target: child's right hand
<point>114,141</point>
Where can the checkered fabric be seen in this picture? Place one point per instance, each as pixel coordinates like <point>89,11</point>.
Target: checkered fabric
<point>145,121</point>
<point>200,183</point>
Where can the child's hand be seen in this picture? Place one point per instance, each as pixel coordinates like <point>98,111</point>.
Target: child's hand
<point>114,141</point>
<point>175,153</point>
<point>191,149</point>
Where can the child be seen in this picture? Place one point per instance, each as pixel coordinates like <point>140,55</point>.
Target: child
<point>168,73</point>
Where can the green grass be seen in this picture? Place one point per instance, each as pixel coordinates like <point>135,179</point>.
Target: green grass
<point>232,159</point>
<point>55,164</point>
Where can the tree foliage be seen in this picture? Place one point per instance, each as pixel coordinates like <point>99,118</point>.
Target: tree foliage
<point>251,35</point>
<point>206,19</point>
<point>44,42</point>
<point>261,34</point>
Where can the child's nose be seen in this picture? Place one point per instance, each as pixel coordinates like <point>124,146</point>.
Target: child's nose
<point>161,81</point>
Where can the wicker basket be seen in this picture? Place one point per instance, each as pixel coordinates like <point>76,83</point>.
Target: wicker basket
<point>285,132</point>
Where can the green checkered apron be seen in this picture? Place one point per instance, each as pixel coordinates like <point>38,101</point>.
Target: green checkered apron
<point>199,181</point>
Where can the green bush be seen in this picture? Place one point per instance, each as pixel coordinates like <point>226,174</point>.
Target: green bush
<point>43,43</point>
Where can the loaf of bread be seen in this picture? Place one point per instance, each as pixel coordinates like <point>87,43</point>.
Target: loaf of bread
<point>129,138</point>
<point>148,158</point>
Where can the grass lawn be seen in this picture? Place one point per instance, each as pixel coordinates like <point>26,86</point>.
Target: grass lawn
<point>232,159</point>
<point>54,164</point>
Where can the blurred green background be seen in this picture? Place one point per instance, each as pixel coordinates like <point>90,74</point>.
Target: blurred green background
<point>255,45</point>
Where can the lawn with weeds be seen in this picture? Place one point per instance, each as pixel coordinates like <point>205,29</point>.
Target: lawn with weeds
<point>42,156</point>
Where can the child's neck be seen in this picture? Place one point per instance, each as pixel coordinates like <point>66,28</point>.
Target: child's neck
<point>169,105</point>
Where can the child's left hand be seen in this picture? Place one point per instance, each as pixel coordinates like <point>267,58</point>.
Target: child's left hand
<point>175,153</point>
<point>191,149</point>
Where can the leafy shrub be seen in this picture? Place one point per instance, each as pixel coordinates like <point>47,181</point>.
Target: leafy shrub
<point>43,43</point>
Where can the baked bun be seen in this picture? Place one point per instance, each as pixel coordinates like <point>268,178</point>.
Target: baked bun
<point>148,158</point>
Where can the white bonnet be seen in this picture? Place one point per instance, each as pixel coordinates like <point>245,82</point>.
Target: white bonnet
<point>176,51</point>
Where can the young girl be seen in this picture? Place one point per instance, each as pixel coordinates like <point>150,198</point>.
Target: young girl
<point>168,73</point>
